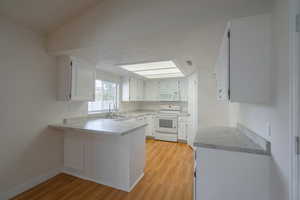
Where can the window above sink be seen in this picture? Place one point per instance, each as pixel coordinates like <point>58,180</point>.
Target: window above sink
<point>106,97</point>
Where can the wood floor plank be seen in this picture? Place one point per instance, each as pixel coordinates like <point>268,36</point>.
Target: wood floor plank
<point>168,176</point>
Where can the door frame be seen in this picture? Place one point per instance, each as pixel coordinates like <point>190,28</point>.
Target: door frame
<point>294,69</point>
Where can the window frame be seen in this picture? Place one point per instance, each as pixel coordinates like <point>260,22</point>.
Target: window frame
<point>117,98</point>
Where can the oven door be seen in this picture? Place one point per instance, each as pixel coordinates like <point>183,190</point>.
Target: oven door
<point>166,124</point>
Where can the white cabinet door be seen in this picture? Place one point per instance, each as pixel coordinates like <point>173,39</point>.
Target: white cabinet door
<point>149,129</point>
<point>151,90</point>
<point>83,81</point>
<point>76,79</point>
<point>218,172</point>
<point>132,89</point>
<point>140,90</point>
<point>182,128</point>
<point>243,65</point>
<point>222,69</point>
<point>125,89</point>
<point>250,47</point>
<point>181,131</point>
<point>183,90</point>
<point>168,90</point>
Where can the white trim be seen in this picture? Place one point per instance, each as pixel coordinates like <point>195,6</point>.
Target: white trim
<point>29,184</point>
<point>42,178</point>
<point>294,98</point>
<point>136,182</point>
<point>103,182</point>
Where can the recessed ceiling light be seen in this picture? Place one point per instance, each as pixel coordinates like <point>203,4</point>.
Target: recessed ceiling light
<point>162,69</point>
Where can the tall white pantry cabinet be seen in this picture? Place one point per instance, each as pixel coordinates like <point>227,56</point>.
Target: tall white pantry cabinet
<point>76,79</point>
<point>243,65</point>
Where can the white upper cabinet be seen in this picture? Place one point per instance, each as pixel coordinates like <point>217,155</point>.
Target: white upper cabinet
<point>183,90</point>
<point>243,65</point>
<point>154,90</point>
<point>76,79</point>
<point>168,90</point>
<point>151,90</point>
<point>222,69</point>
<point>132,89</point>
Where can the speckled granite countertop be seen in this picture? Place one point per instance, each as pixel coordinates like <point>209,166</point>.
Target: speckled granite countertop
<point>230,139</point>
<point>101,126</point>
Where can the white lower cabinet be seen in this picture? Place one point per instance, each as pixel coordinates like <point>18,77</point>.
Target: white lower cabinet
<point>183,128</point>
<point>229,175</point>
<point>74,151</point>
<point>149,119</point>
<point>150,128</point>
<point>108,159</point>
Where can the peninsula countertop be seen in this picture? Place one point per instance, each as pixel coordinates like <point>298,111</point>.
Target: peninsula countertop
<point>101,126</point>
<point>227,138</point>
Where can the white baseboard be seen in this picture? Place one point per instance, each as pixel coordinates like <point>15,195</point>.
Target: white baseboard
<point>78,175</point>
<point>38,180</point>
<point>29,184</point>
<point>72,173</point>
<point>136,182</point>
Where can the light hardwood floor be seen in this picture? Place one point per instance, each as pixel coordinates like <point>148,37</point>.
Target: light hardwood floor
<point>168,176</point>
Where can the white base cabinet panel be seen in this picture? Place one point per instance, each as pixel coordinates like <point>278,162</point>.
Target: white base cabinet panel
<point>183,127</point>
<point>150,127</point>
<point>115,161</point>
<point>225,175</point>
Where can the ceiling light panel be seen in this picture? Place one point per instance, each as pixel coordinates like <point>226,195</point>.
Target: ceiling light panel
<point>163,69</point>
<point>149,66</point>
<point>164,75</point>
<point>158,71</point>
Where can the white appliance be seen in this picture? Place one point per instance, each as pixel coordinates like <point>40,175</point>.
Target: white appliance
<point>166,123</point>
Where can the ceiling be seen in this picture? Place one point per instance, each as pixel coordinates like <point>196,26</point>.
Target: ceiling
<point>108,33</point>
<point>135,31</point>
<point>44,16</point>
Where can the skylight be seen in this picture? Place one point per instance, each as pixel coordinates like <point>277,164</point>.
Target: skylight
<point>151,70</point>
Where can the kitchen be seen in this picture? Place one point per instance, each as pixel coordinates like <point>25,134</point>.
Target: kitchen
<point>158,91</point>
<point>109,99</point>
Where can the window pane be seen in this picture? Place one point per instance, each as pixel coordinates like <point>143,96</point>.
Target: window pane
<point>106,96</point>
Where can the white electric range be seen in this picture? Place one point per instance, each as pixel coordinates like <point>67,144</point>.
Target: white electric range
<point>166,123</point>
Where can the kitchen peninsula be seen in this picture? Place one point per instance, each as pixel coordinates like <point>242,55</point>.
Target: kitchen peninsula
<point>106,151</point>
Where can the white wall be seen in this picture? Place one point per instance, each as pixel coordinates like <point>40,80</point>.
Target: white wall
<point>211,111</point>
<point>28,148</point>
<point>129,31</point>
<point>276,113</point>
<point>107,76</point>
